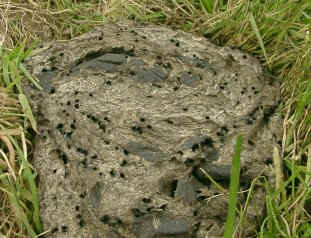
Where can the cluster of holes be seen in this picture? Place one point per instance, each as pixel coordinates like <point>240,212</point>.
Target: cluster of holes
<point>61,128</point>
<point>83,195</point>
<point>62,155</point>
<point>207,142</point>
<point>139,129</point>
<point>82,151</point>
<point>100,123</point>
<point>160,62</point>
<point>81,221</point>
<point>254,90</point>
<point>177,43</point>
<point>109,220</point>
<point>223,86</point>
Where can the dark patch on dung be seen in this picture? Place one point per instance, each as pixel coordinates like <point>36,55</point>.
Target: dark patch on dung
<point>151,75</point>
<point>166,225</point>
<point>268,112</point>
<point>148,152</point>
<point>46,79</point>
<point>186,189</point>
<point>190,80</point>
<point>96,194</point>
<point>217,172</point>
<point>107,62</point>
<point>168,186</point>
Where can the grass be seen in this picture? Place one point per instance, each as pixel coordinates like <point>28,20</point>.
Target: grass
<point>234,188</point>
<point>276,32</point>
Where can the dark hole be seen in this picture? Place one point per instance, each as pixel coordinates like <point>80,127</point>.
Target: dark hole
<point>126,152</point>
<point>196,226</point>
<point>122,175</point>
<point>136,212</point>
<point>105,219</point>
<point>64,228</point>
<point>173,187</point>
<point>54,230</point>
<point>107,142</point>
<point>123,163</point>
<point>146,200</point>
<point>142,119</point>
<point>189,162</point>
<point>82,151</point>
<point>208,141</point>
<point>112,173</point>
<point>149,127</point>
<point>60,126</point>
<point>84,163</point>
<point>77,208</point>
<point>94,156</point>
<point>268,161</point>
<point>194,147</point>
<point>63,157</point>
<point>137,129</point>
<point>52,91</point>
<point>201,198</point>
<point>249,122</point>
<point>81,223</point>
<point>250,142</point>
<point>73,126</point>
<point>169,121</point>
<point>102,126</point>
<point>82,195</point>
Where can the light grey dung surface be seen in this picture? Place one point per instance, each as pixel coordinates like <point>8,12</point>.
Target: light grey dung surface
<point>129,116</point>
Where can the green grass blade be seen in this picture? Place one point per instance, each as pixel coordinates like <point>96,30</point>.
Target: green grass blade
<point>234,188</point>
<point>208,5</point>
<point>27,74</point>
<point>257,33</point>
<point>27,110</point>
<point>29,177</point>
<point>6,76</point>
